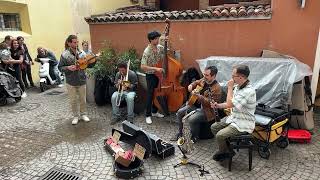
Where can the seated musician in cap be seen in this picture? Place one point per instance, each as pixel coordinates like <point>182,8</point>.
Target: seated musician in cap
<point>126,91</point>
<point>241,97</point>
<point>210,90</point>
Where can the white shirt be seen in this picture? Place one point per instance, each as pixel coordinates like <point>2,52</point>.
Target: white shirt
<point>244,102</point>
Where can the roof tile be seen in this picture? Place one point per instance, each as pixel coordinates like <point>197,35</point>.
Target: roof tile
<point>214,12</point>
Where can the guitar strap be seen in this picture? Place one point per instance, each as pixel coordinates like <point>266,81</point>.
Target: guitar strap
<point>244,84</point>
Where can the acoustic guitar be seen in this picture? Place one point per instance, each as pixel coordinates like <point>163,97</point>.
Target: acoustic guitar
<point>83,63</point>
<point>193,98</point>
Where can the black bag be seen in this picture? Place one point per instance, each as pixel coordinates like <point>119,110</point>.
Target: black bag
<point>302,106</point>
<point>103,90</point>
<point>274,113</point>
<point>161,148</point>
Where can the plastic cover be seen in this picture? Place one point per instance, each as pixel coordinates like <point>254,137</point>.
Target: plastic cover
<point>272,78</point>
<point>10,85</point>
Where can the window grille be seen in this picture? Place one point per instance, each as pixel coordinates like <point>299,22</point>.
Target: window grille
<point>10,22</point>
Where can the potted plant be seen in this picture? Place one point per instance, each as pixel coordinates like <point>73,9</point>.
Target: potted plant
<point>132,55</point>
<point>103,73</point>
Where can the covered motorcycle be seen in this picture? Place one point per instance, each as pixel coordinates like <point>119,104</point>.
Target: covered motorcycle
<point>9,88</point>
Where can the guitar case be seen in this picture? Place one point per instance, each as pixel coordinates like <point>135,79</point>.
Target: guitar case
<point>159,147</point>
<point>135,168</point>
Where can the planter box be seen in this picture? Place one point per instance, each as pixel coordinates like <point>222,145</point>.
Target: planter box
<point>139,105</point>
<point>90,89</point>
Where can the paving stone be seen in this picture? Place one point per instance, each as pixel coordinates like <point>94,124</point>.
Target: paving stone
<point>36,135</point>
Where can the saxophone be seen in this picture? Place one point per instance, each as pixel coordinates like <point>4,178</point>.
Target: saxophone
<point>185,141</point>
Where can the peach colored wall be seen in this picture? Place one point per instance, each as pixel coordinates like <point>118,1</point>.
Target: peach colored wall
<point>174,5</point>
<point>291,30</point>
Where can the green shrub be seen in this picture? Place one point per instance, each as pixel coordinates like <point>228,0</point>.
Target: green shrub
<point>106,65</point>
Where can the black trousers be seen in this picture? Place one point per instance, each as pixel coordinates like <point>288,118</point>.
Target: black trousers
<point>152,83</point>
<point>17,75</point>
<point>26,72</point>
<point>200,127</point>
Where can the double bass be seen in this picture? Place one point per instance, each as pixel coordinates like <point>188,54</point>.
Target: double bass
<point>169,95</point>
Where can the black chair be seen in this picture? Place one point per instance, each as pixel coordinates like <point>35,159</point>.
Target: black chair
<point>242,141</point>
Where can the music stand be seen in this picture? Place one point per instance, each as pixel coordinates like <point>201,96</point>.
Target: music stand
<point>184,161</point>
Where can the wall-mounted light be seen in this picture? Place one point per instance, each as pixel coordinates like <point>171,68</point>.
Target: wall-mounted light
<point>302,3</point>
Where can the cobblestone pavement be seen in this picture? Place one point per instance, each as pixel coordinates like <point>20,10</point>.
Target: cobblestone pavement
<point>36,135</point>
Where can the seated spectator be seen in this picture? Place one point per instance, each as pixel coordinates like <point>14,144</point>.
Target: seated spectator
<point>44,53</point>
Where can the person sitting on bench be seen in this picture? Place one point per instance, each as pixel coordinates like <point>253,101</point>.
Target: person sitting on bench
<point>126,82</point>
<point>241,97</point>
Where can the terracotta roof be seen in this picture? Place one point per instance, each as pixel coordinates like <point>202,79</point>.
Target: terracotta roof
<point>213,12</point>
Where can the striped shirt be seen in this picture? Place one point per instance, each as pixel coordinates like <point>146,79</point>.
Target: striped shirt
<point>151,58</point>
<point>244,102</point>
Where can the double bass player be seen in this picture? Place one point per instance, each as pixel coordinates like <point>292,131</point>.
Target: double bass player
<point>152,54</point>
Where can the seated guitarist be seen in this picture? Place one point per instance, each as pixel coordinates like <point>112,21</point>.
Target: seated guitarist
<point>205,113</point>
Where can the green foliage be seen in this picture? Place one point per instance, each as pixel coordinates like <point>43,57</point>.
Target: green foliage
<point>132,55</point>
<point>106,65</point>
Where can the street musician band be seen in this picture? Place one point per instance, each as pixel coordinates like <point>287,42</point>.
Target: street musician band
<point>204,104</point>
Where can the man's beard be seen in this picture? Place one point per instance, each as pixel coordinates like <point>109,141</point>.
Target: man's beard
<point>208,81</point>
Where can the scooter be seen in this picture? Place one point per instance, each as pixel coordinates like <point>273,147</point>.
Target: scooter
<point>46,75</point>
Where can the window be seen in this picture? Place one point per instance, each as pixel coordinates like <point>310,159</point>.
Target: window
<point>10,22</point>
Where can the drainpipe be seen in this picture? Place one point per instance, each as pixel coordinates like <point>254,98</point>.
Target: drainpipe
<point>316,68</point>
<point>302,3</point>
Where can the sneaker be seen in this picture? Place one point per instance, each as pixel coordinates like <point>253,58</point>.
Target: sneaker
<point>60,85</point>
<point>85,118</point>
<point>114,121</point>
<point>194,139</point>
<point>157,115</point>
<point>130,120</point>
<point>24,95</point>
<point>75,121</point>
<point>221,156</point>
<point>148,120</point>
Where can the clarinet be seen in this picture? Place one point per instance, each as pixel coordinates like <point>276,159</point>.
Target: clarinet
<point>211,100</point>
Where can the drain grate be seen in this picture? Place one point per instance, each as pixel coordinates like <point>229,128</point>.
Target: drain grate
<point>57,174</point>
<point>53,93</point>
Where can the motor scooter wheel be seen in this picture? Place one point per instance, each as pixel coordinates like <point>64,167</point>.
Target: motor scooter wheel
<point>17,99</point>
<point>3,101</point>
<point>43,86</point>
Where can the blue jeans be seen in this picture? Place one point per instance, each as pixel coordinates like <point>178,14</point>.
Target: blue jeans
<point>56,72</point>
<point>184,110</point>
<point>129,97</point>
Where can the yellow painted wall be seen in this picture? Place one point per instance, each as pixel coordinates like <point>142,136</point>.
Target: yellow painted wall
<point>102,6</point>
<point>47,23</point>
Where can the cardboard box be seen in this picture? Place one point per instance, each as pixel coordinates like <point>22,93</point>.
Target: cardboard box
<point>121,160</point>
